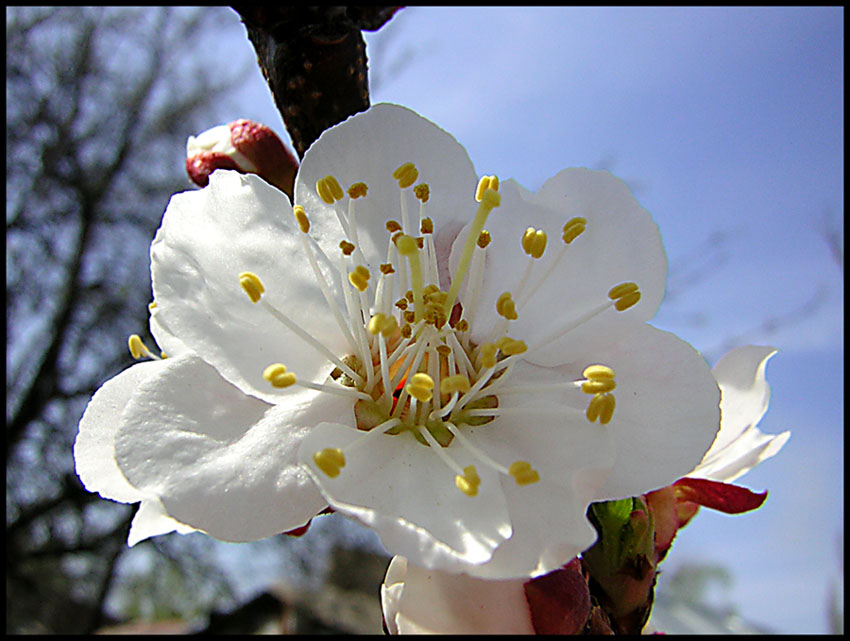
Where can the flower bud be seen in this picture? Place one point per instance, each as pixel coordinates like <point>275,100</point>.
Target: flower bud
<point>246,146</point>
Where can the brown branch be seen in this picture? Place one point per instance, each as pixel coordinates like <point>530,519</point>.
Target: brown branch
<point>314,60</point>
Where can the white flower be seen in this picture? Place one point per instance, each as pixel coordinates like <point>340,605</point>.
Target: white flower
<point>469,422</point>
<point>744,396</point>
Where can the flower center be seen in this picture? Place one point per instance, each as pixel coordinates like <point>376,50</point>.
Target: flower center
<point>413,370</point>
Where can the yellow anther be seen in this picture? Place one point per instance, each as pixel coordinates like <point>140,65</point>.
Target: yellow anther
<point>573,229</point>
<point>421,387</point>
<point>484,239</point>
<point>329,190</point>
<point>626,295</point>
<point>462,325</point>
<point>506,307</point>
<point>523,473</point>
<point>393,226</point>
<point>602,407</point>
<point>137,347</point>
<point>456,383</point>
<point>469,481</point>
<point>426,226</point>
<point>510,347</point>
<point>277,375</point>
<point>357,190</point>
<point>596,372</point>
<point>346,247</point>
<point>330,460</point>
<point>486,182</point>
<point>488,354</point>
<point>444,350</point>
<point>301,218</point>
<point>598,386</point>
<point>406,175</point>
<point>534,242</point>
<point>422,191</point>
<point>406,245</point>
<point>375,323</point>
<point>359,278</point>
<point>152,305</point>
<point>252,285</point>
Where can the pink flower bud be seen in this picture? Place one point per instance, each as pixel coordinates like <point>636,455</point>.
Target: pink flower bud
<point>243,145</point>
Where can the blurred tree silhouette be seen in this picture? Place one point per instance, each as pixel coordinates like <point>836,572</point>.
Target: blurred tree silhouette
<point>99,103</point>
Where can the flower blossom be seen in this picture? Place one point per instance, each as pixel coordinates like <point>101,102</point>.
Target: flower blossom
<point>416,600</point>
<point>405,345</point>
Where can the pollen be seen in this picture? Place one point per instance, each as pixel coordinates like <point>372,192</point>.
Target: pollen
<point>357,190</point>
<point>137,347</point>
<point>346,247</point>
<point>421,387</point>
<point>523,473</point>
<point>456,383</point>
<point>360,278</point>
<point>469,481</point>
<point>277,375</point>
<point>626,295</point>
<point>506,307</point>
<point>601,407</point>
<point>406,245</point>
<point>387,268</point>
<point>252,285</point>
<point>329,190</point>
<point>393,226</point>
<point>573,229</point>
<point>406,175</point>
<point>301,218</point>
<point>484,239</point>
<point>426,226</point>
<point>422,191</point>
<point>486,182</point>
<point>534,242</point>
<point>330,460</point>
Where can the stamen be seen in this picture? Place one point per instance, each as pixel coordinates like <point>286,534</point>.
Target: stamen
<point>301,218</point>
<point>360,278</point>
<point>505,306</point>
<point>572,230</point>
<point>486,182</point>
<point>469,481</point>
<point>601,407</point>
<point>277,375</point>
<point>600,382</point>
<point>252,285</point>
<point>330,460</point>
<point>406,175</point>
<point>329,190</point>
<point>626,295</point>
<point>456,383</point>
<point>420,387</point>
<point>534,242</point>
<point>489,199</point>
<point>357,190</point>
<point>408,247</point>
<point>523,473</point>
<point>138,348</point>
<point>423,192</point>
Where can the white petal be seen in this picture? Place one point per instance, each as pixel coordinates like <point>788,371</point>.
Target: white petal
<point>621,243</point>
<point>418,601</point>
<point>94,448</point>
<point>368,147</point>
<point>151,519</point>
<point>208,237</point>
<point>219,460</point>
<point>667,410</point>
<point>403,491</point>
<point>744,397</point>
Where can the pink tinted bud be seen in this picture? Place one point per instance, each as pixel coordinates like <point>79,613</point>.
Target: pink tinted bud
<point>243,145</point>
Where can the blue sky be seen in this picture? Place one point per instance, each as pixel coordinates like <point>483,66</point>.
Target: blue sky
<point>728,126</point>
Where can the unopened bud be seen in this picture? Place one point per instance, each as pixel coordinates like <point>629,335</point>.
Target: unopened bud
<point>245,146</point>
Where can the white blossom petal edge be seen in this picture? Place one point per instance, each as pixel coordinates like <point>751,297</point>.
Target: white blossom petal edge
<point>744,397</point>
